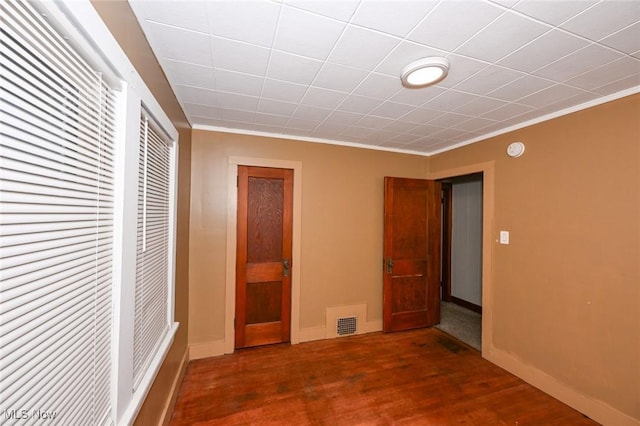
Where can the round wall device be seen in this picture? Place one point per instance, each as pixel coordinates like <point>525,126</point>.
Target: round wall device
<point>515,149</point>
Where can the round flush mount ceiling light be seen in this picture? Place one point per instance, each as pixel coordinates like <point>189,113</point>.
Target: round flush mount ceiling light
<point>424,72</point>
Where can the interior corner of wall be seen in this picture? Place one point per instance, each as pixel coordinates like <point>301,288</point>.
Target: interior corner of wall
<point>206,349</point>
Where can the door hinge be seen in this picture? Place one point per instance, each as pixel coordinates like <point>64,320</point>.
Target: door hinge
<point>237,181</point>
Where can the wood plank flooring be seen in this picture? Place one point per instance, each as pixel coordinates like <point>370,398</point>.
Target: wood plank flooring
<point>419,377</point>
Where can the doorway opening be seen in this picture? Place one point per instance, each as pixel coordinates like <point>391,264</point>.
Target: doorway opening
<point>461,266</point>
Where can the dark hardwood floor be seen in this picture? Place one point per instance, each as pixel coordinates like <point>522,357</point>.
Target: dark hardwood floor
<point>419,377</point>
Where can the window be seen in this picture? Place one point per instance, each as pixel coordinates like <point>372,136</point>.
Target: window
<point>73,347</point>
<point>152,249</point>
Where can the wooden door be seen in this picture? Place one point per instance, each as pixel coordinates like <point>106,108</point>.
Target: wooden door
<point>411,283</point>
<point>263,257</point>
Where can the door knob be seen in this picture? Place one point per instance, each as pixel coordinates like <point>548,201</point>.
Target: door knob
<point>389,265</point>
<point>285,268</point>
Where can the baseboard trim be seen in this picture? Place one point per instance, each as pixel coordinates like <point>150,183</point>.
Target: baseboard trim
<point>167,410</point>
<point>311,334</point>
<point>206,350</point>
<point>466,304</point>
<point>595,409</point>
<point>372,326</point>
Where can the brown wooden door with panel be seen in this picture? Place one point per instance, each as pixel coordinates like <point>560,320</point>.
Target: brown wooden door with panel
<point>263,256</point>
<point>411,264</point>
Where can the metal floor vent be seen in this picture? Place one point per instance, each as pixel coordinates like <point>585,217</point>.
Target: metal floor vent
<point>347,326</point>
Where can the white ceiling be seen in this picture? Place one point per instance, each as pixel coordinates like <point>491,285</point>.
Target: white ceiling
<point>330,70</point>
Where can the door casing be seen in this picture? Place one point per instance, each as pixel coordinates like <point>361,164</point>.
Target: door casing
<point>488,237</point>
<point>232,208</point>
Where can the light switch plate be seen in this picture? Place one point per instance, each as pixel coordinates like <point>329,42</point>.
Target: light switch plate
<point>504,237</point>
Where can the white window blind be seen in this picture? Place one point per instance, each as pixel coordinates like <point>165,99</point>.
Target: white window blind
<point>153,252</point>
<point>56,218</point>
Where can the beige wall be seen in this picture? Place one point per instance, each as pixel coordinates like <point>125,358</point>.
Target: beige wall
<point>566,290</point>
<point>341,235</point>
<point>123,25</point>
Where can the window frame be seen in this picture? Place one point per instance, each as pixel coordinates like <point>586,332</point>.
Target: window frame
<point>87,33</point>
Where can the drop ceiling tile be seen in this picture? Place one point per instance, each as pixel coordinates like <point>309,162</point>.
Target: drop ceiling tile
<point>191,15</point>
<point>251,21</point>
<point>400,126</point>
<point>508,111</point>
<point>370,122</point>
<point>460,68</point>
<point>358,132</point>
<point>587,59</point>
<point>232,55</point>
<point>474,124</point>
<point>237,115</point>
<point>306,34</point>
<point>216,122</point>
<point>180,45</point>
<point>546,49</point>
<point>503,36</point>
<point>505,3</point>
<point>617,70</point>
<point>451,23</point>
<point>302,124</point>
<point>283,91</point>
<point>235,101</point>
<point>421,115</point>
<point>590,23</point>
<point>189,74</point>
<point>362,48</point>
<point>555,15</point>
<point>388,17</point>
<point>358,104</point>
<point>480,106</point>
<point>626,40</point>
<point>449,134</point>
<point>378,86</point>
<point>391,110</point>
<point>425,129</point>
<point>270,119</point>
<point>339,77</point>
<point>327,131</point>
<point>342,10</point>
<point>520,88</point>
<point>618,86</point>
<point>448,120</point>
<point>196,95</point>
<point>380,137</point>
<point>572,101</point>
<point>343,118</point>
<point>201,110</point>
<point>268,106</point>
<point>449,100</point>
<point>550,95</point>
<point>274,129</point>
<point>312,113</point>
<point>244,84</point>
<point>488,80</point>
<point>323,98</point>
<point>403,54</point>
<point>417,97</point>
<point>293,68</point>
<point>405,138</point>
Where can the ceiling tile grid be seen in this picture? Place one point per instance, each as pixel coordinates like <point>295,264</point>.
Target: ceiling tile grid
<point>330,70</point>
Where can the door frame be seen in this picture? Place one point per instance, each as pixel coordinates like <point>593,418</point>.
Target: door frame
<point>232,213</point>
<point>488,237</point>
